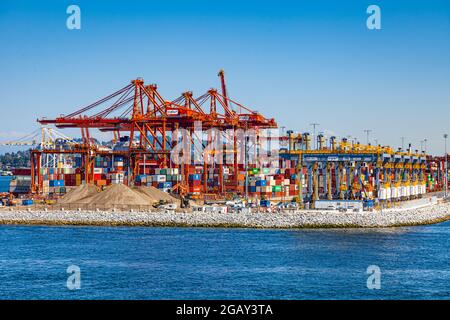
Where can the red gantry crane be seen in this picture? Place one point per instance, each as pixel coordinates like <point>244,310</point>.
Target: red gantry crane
<point>140,112</point>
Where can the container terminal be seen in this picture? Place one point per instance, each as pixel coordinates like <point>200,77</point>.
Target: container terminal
<point>308,171</point>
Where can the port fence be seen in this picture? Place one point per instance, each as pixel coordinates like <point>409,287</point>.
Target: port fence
<point>124,208</point>
<point>89,207</point>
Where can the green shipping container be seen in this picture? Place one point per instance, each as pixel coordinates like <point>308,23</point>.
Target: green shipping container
<point>265,170</point>
<point>276,188</point>
<point>255,170</point>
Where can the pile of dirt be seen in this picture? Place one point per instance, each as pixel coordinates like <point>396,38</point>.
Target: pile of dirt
<point>117,194</point>
<point>154,195</point>
<point>79,194</point>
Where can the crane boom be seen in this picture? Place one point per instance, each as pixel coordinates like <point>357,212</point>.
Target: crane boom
<point>224,87</point>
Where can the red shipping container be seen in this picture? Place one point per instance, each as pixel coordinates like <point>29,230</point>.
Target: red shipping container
<point>195,189</point>
<point>21,171</point>
<point>195,182</point>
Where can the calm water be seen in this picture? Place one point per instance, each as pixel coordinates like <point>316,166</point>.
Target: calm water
<point>165,263</point>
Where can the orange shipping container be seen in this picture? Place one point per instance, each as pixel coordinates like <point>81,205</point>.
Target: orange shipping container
<point>101,182</point>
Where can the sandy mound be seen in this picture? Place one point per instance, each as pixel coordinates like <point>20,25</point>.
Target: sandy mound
<point>153,194</point>
<point>82,192</point>
<point>117,194</point>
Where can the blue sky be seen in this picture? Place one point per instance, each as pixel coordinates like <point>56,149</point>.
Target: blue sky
<point>297,61</point>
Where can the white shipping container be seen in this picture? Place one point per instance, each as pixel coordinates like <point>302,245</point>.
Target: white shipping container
<point>160,178</point>
<point>383,195</point>
<point>395,192</point>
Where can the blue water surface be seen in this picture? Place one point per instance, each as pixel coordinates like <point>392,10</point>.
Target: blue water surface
<point>199,263</point>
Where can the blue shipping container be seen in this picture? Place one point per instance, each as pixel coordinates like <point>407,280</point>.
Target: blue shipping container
<point>264,203</point>
<point>140,177</point>
<point>164,185</point>
<point>27,202</point>
<point>56,183</point>
<point>261,183</point>
<point>194,177</point>
<point>368,203</point>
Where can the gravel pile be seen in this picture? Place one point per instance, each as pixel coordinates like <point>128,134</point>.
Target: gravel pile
<point>298,219</point>
<point>115,195</point>
<point>154,194</point>
<point>79,194</point>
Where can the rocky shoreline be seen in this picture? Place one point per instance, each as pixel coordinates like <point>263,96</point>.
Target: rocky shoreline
<point>298,219</point>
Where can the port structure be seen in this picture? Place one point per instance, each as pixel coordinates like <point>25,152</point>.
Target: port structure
<point>139,114</point>
<point>353,171</point>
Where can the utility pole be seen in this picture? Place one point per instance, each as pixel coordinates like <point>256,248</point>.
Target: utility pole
<point>314,133</point>
<point>425,145</point>
<point>376,142</point>
<point>446,165</point>
<point>403,142</point>
<point>246,164</point>
<point>367,131</point>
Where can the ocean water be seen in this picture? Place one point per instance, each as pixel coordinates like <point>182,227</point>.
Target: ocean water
<point>199,263</point>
